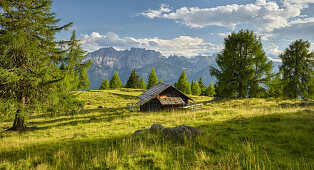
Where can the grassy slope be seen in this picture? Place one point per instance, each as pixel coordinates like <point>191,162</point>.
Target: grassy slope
<point>246,133</point>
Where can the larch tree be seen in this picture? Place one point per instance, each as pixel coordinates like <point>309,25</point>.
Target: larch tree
<point>195,88</point>
<point>297,67</point>
<point>76,76</point>
<point>243,67</point>
<point>202,86</point>
<point>210,90</point>
<point>142,83</point>
<point>133,81</point>
<point>152,79</point>
<point>275,88</point>
<point>29,53</point>
<point>115,82</point>
<point>104,85</point>
<point>183,84</point>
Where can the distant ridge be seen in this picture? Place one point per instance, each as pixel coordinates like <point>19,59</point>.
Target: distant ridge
<point>108,60</point>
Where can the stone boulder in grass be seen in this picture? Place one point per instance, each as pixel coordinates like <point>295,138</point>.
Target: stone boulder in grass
<point>177,134</point>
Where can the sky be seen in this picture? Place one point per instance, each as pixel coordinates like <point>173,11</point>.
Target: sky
<point>185,27</point>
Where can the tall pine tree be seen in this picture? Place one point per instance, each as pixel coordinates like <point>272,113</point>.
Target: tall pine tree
<point>243,66</point>
<point>133,81</point>
<point>202,86</point>
<point>76,76</point>
<point>297,67</point>
<point>29,54</point>
<point>210,90</point>
<point>104,85</point>
<point>152,79</point>
<point>195,88</point>
<point>183,84</point>
<point>142,83</point>
<point>275,88</point>
<point>115,82</point>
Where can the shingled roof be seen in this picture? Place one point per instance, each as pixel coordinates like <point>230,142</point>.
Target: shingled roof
<point>153,92</point>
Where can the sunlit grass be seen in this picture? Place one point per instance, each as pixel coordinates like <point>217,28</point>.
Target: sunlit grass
<point>238,134</point>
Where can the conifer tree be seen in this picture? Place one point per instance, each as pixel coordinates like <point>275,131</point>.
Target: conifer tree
<point>152,79</point>
<point>115,82</point>
<point>29,54</point>
<point>243,66</point>
<point>76,71</point>
<point>161,81</point>
<point>104,85</point>
<point>195,88</point>
<point>275,88</point>
<point>297,67</point>
<point>210,90</point>
<point>183,84</point>
<point>202,86</point>
<point>133,81</point>
<point>142,83</point>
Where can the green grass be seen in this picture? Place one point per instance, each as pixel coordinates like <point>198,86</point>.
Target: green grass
<point>238,134</point>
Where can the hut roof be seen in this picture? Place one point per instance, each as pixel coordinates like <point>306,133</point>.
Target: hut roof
<point>154,91</point>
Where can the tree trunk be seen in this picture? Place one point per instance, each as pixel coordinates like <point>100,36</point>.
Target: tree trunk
<point>19,124</point>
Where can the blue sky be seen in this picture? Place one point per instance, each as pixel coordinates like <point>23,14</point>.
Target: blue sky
<point>185,27</point>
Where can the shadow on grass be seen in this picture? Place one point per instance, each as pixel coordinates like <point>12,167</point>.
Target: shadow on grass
<point>285,139</point>
<point>300,104</point>
<point>107,115</point>
<point>124,96</point>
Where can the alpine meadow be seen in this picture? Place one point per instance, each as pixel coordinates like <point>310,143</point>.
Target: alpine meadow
<point>191,85</point>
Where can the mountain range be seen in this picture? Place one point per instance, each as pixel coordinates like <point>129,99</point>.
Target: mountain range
<point>108,60</point>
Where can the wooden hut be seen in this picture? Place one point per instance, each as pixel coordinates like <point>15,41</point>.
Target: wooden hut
<point>162,96</point>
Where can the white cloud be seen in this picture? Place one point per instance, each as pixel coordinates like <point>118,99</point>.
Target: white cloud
<point>273,49</point>
<point>264,16</point>
<point>223,35</point>
<point>275,59</point>
<point>182,45</point>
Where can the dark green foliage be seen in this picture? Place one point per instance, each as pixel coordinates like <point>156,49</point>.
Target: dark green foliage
<point>275,88</point>
<point>142,84</point>
<point>104,85</point>
<point>195,89</point>
<point>115,82</point>
<point>75,70</point>
<point>297,67</point>
<point>133,81</point>
<point>210,90</point>
<point>202,86</point>
<point>244,70</point>
<point>30,57</point>
<point>28,52</point>
<point>183,84</point>
<point>152,79</point>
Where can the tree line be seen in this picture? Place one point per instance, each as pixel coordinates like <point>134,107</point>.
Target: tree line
<point>244,71</point>
<point>196,88</point>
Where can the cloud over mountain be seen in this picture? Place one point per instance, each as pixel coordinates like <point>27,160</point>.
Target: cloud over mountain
<point>182,45</point>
